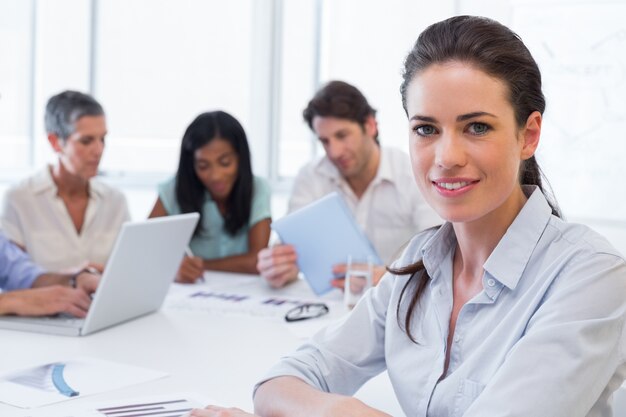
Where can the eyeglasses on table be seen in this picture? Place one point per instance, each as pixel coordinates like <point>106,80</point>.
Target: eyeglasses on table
<point>306,311</point>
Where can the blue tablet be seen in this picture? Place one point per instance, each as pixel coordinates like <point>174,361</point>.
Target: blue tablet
<point>324,233</point>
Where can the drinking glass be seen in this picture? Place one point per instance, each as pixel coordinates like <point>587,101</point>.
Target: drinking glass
<point>358,279</point>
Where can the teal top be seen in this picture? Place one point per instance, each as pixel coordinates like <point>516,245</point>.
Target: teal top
<point>213,241</point>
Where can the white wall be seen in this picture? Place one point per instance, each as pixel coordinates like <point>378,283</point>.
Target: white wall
<point>156,63</point>
<point>579,46</point>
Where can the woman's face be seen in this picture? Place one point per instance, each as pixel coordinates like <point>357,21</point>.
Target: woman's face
<point>80,153</point>
<point>466,148</point>
<point>217,165</point>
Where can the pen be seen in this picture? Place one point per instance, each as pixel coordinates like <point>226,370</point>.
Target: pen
<point>190,254</point>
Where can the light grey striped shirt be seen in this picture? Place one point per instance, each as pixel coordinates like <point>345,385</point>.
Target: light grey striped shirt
<point>543,338</point>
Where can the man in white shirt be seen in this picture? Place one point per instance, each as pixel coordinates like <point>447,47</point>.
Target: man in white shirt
<point>376,182</point>
<point>62,216</point>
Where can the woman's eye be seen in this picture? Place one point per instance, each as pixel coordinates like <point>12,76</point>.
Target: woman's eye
<point>425,130</point>
<point>225,162</point>
<point>479,128</point>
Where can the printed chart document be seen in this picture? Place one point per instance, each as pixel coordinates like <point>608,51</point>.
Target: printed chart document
<point>234,302</point>
<point>63,380</point>
<point>167,405</point>
<point>243,295</point>
<point>324,233</point>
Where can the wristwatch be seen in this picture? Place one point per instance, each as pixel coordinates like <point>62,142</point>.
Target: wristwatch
<point>74,276</point>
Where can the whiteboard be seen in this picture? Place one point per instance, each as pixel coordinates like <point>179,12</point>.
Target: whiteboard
<point>581,51</point>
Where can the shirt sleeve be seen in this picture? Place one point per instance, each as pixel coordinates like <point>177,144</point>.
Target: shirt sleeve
<point>303,191</point>
<point>167,195</point>
<point>572,352</point>
<point>123,209</point>
<point>120,213</point>
<point>261,203</point>
<point>343,356</point>
<point>17,271</point>
<point>11,223</point>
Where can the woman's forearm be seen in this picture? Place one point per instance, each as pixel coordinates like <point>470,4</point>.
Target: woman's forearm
<point>289,396</point>
<point>245,263</point>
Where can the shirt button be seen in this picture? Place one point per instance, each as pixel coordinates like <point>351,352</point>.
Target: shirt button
<point>491,282</point>
<point>457,338</point>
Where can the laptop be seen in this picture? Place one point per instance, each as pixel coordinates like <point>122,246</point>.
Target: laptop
<point>136,279</point>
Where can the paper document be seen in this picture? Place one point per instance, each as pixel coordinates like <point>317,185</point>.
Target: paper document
<point>59,381</point>
<point>169,405</point>
<point>231,301</point>
<point>324,233</point>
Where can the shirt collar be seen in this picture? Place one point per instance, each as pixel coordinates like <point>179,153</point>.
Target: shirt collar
<point>326,168</point>
<point>43,182</point>
<point>510,257</point>
<point>385,167</point>
<point>437,247</point>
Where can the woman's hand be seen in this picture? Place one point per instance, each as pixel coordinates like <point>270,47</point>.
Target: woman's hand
<point>215,411</point>
<point>191,269</point>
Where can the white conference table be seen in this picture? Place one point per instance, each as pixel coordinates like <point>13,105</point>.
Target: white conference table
<point>217,355</point>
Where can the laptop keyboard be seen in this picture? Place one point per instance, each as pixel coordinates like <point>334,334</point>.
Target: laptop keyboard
<point>64,320</point>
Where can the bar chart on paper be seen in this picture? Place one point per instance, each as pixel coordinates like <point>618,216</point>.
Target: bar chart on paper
<point>167,408</point>
<point>48,378</point>
<point>69,379</point>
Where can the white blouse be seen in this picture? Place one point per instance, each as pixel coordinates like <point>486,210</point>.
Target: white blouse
<point>36,218</point>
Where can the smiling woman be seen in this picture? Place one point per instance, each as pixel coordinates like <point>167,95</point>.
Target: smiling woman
<point>467,155</point>
<point>505,297</point>
<point>215,179</point>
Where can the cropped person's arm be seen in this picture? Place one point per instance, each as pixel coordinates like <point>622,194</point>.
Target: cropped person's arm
<point>322,375</point>
<point>305,188</point>
<point>158,210</point>
<point>258,236</point>
<point>123,209</point>
<point>10,221</point>
<point>43,301</point>
<point>85,280</point>
<point>572,352</point>
<point>290,396</point>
